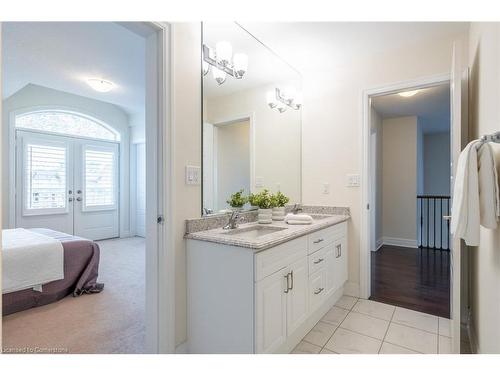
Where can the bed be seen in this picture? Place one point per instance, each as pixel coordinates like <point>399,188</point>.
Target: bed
<point>79,263</point>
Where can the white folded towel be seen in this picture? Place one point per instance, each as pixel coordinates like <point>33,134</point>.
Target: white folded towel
<point>465,218</point>
<point>489,199</point>
<point>299,219</point>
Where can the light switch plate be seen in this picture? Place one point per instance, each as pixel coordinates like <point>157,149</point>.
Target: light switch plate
<point>353,180</point>
<point>193,175</point>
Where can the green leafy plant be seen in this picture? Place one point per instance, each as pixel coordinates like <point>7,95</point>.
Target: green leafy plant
<point>261,200</point>
<point>279,199</point>
<point>237,200</point>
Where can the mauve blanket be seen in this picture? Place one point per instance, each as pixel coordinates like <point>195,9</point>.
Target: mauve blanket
<point>81,267</point>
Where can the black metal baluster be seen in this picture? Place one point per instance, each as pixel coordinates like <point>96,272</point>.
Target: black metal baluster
<point>434,224</point>
<point>441,224</point>
<point>421,222</point>
<point>428,221</point>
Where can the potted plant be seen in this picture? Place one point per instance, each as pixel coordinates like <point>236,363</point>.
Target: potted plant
<point>237,200</point>
<point>263,201</point>
<point>279,201</point>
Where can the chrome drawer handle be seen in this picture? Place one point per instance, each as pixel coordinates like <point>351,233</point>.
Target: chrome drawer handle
<point>319,240</point>
<point>319,291</point>
<point>339,251</point>
<point>287,279</point>
<point>318,261</point>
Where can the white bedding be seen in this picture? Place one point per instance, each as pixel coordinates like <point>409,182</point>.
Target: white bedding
<point>29,260</point>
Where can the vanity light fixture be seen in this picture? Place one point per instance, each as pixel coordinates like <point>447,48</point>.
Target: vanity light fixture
<point>282,99</point>
<point>100,85</point>
<point>407,94</point>
<point>223,62</point>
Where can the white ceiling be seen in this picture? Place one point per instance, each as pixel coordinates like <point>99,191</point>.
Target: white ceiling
<point>61,55</point>
<point>431,105</point>
<point>322,45</point>
<point>264,66</point>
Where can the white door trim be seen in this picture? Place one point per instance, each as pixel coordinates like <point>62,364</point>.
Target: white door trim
<point>419,83</point>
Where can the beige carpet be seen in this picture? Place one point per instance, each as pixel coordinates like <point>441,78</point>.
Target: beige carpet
<point>109,322</point>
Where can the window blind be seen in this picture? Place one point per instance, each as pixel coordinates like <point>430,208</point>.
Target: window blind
<point>45,177</point>
<point>99,178</point>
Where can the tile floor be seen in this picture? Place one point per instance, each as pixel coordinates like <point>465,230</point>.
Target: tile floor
<point>358,326</point>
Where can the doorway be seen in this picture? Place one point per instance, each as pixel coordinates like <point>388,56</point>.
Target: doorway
<point>408,131</point>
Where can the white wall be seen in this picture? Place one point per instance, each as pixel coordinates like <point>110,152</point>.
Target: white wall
<point>332,118</point>
<point>399,179</point>
<point>436,147</point>
<point>38,96</point>
<point>186,120</point>
<point>277,137</point>
<point>233,160</point>
<point>484,89</point>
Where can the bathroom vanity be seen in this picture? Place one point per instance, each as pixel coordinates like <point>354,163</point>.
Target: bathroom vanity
<point>261,288</point>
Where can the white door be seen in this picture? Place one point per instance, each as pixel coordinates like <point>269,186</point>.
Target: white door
<point>44,181</point>
<point>459,103</point>
<point>297,298</point>
<point>270,301</point>
<point>67,184</point>
<point>96,188</point>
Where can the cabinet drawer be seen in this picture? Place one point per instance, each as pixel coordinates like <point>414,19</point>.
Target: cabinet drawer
<point>317,289</point>
<point>326,236</point>
<point>317,260</point>
<point>269,261</point>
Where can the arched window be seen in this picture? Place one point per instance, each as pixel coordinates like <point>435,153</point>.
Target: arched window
<point>65,122</point>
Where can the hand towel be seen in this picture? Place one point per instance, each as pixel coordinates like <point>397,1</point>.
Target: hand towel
<point>465,218</point>
<point>488,186</point>
<point>298,222</point>
<point>298,219</point>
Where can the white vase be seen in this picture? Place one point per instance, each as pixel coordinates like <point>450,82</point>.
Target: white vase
<point>278,213</point>
<point>265,215</point>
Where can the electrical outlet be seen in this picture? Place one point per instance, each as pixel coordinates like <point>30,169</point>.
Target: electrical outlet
<point>353,180</point>
<point>193,175</point>
<point>326,188</point>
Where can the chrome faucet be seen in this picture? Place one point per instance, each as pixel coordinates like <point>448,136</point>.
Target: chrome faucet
<point>297,207</point>
<point>233,221</point>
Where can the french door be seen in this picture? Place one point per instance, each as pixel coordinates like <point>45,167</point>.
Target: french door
<point>67,184</point>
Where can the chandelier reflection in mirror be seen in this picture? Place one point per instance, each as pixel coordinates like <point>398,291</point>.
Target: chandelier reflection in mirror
<point>223,62</point>
<point>283,99</point>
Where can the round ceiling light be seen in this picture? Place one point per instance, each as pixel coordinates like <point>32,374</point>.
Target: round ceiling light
<point>408,94</point>
<point>100,85</point>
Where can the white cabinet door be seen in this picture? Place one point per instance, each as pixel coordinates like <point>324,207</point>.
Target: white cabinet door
<point>340,254</point>
<point>330,269</point>
<point>270,303</point>
<point>317,291</point>
<point>297,298</point>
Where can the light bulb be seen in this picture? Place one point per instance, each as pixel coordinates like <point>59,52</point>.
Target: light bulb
<point>271,99</point>
<point>224,52</point>
<point>219,75</point>
<point>240,64</point>
<point>100,85</point>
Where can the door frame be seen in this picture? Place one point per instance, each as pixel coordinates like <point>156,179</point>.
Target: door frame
<point>365,231</point>
<point>160,262</point>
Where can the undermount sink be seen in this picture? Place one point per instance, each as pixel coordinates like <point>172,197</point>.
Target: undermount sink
<point>319,216</point>
<point>254,231</point>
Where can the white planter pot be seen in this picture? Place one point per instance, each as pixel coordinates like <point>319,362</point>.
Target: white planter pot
<point>265,215</point>
<point>279,213</point>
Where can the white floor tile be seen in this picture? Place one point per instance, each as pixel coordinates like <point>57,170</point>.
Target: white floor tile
<point>375,309</point>
<point>412,338</point>
<point>365,325</point>
<point>335,316</point>
<point>416,319</point>
<point>444,345</point>
<point>320,334</point>
<point>347,342</point>
<point>326,351</point>
<point>444,327</point>
<point>306,348</point>
<point>388,348</point>
<point>346,302</point>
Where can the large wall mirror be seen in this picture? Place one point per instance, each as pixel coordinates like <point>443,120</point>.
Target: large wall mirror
<point>252,104</point>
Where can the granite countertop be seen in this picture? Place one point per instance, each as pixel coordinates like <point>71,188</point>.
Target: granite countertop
<point>290,232</point>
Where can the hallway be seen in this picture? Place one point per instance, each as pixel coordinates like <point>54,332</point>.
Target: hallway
<point>417,279</point>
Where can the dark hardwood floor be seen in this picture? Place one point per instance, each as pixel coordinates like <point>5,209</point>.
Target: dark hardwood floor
<point>417,279</point>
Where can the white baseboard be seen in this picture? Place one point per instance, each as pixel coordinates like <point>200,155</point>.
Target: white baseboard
<point>182,348</point>
<point>351,289</point>
<point>379,244</point>
<point>402,242</point>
